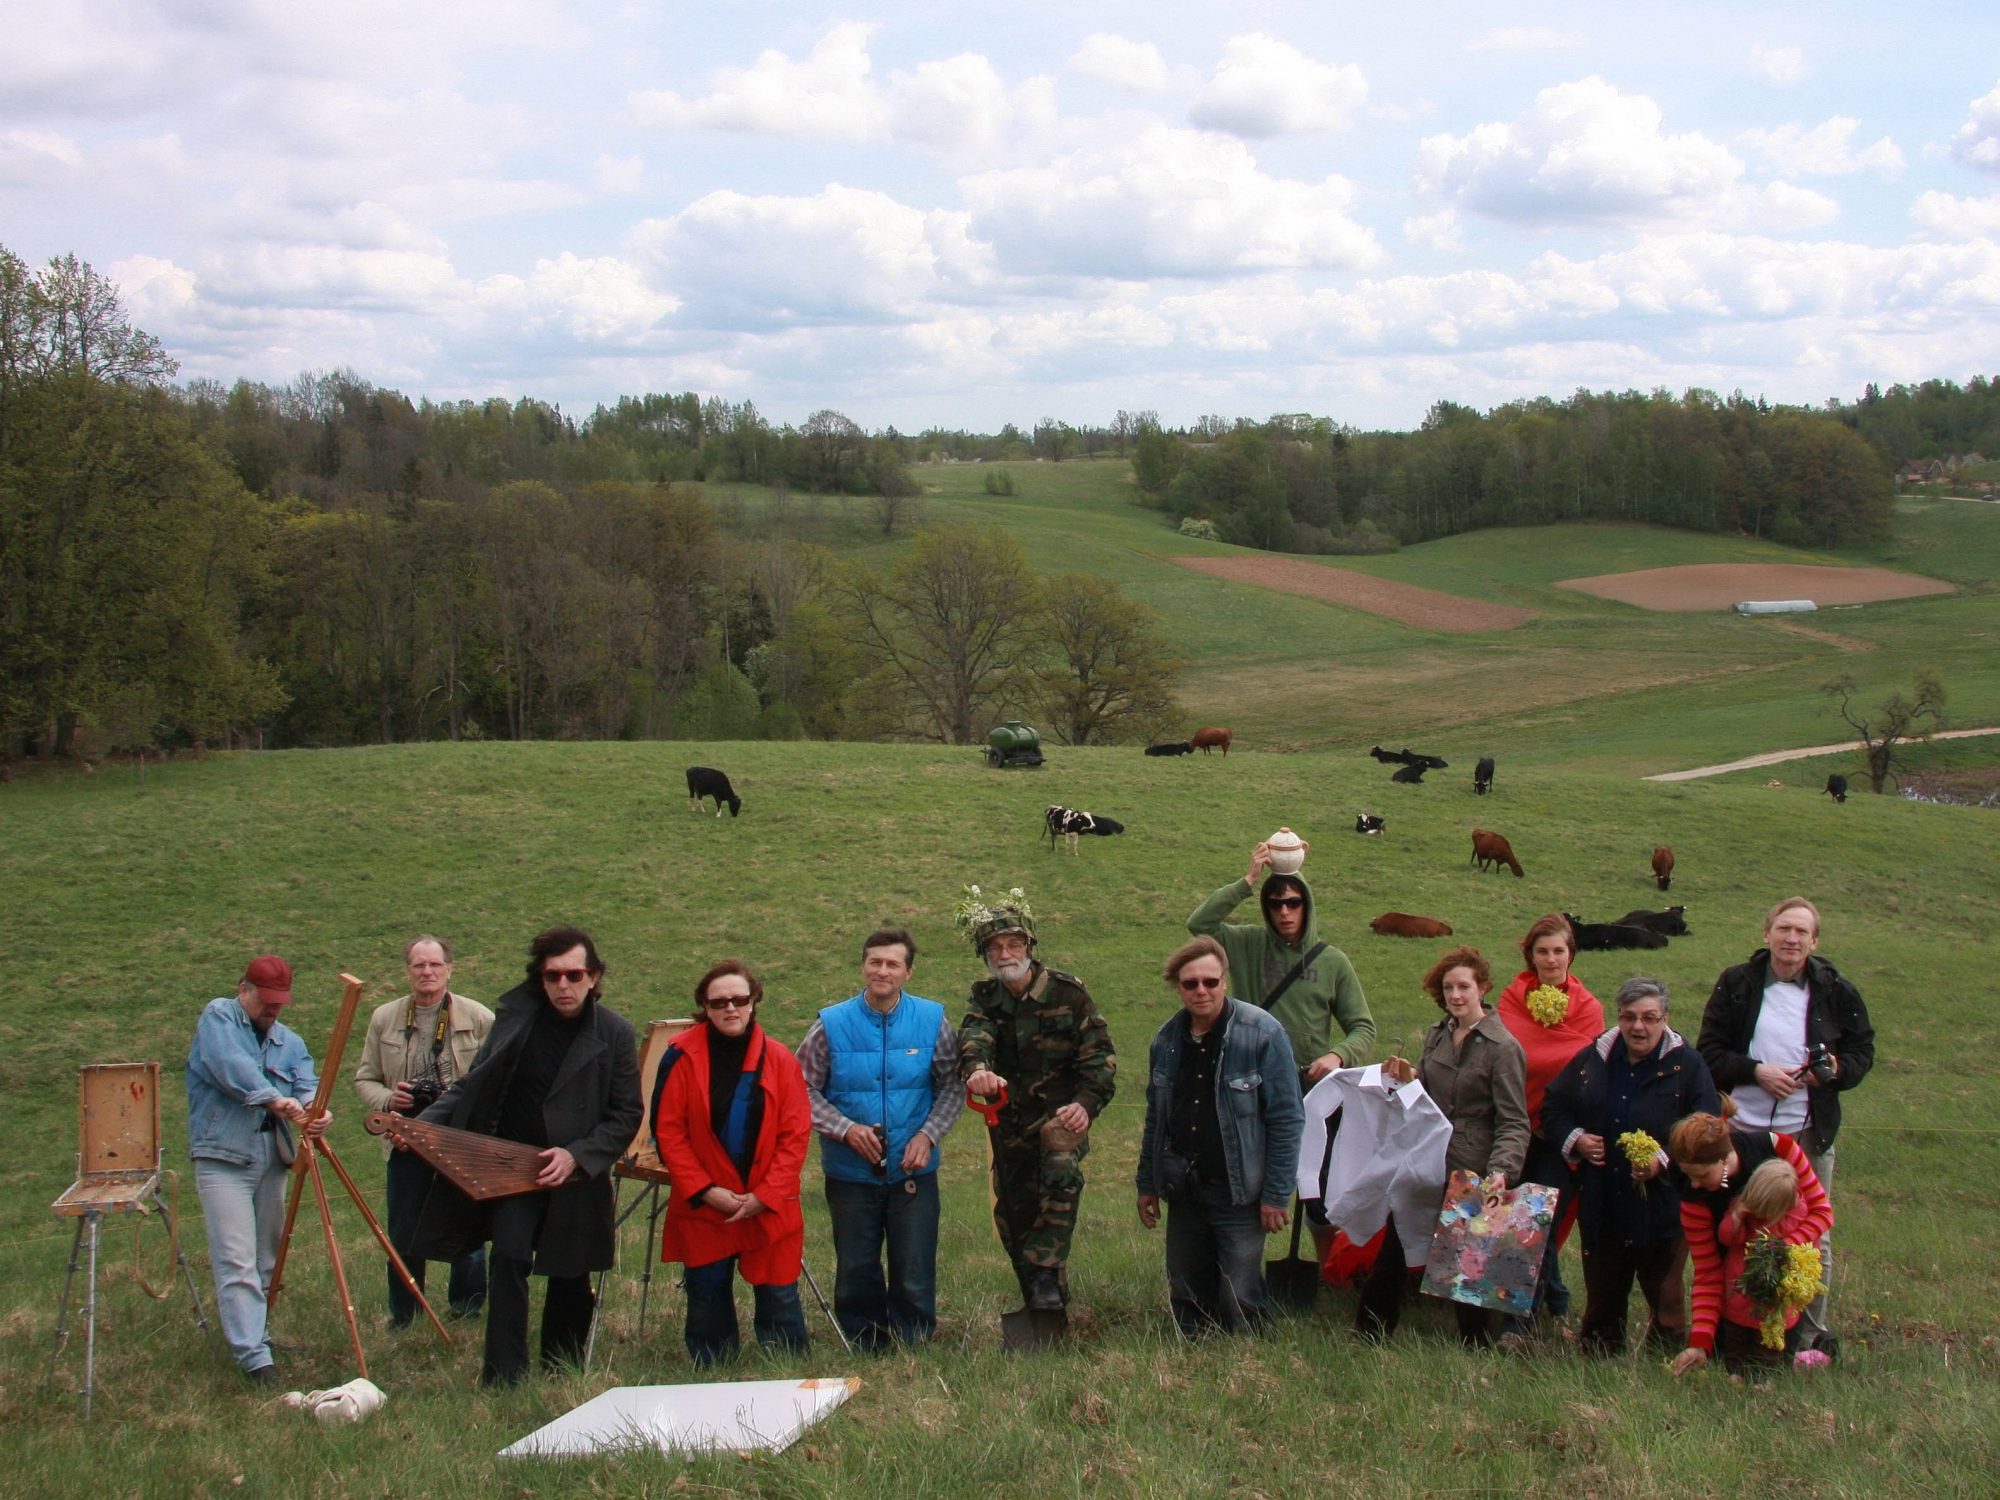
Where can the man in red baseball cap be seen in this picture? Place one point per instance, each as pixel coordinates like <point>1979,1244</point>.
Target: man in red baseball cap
<point>249,1079</point>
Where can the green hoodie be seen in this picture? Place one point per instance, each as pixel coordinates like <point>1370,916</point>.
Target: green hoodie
<point>1324,1010</point>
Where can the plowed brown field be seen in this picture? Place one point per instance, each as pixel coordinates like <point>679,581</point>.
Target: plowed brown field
<point>1426,609</point>
<point>1700,586</point>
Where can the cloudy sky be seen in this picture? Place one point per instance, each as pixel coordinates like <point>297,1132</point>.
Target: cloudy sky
<point>940,214</point>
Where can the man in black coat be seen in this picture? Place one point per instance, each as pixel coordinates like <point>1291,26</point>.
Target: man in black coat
<point>559,1071</point>
<point>1786,1035</point>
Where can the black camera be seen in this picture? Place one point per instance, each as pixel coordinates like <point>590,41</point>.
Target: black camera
<point>881,1163</point>
<point>1820,1063</point>
<point>422,1097</point>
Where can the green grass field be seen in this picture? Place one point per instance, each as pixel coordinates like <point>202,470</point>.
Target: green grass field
<point>129,903</point>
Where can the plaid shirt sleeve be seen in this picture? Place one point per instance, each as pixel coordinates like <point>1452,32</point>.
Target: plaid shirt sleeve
<point>812,1056</point>
<point>947,1094</point>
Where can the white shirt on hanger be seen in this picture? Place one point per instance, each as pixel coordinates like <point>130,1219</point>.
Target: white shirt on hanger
<point>1387,1158</point>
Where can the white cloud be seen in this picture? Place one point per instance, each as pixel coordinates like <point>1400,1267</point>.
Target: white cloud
<point>961,105</point>
<point>595,301</point>
<point>1957,218</point>
<point>618,176</point>
<point>1165,203</point>
<point>840,255</point>
<point>825,95</point>
<point>1436,231</point>
<point>1266,87</point>
<point>329,276</point>
<point>1824,150</point>
<point>1583,151</point>
<point>1122,63</point>
<point>1525,39</point>
<point>1783,66</point>
<point>1977,143</point>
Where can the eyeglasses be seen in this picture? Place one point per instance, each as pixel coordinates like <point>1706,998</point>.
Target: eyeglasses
<point>1202,982</point>
<point>564,976</point>
<point>1289,903</point>
<point>729,1002</point>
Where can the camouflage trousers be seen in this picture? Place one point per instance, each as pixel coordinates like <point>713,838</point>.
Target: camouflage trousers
<point>1037,1185</point>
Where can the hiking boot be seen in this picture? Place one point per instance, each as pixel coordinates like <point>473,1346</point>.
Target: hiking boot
<point>1044,1290</point>
<point>265,1376</point>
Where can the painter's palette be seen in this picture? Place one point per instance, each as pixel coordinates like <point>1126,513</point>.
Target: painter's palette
<point>1488,1249</point>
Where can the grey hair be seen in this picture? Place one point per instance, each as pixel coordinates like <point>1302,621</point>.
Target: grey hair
<point>425,937</point>
<point>1638,988</point>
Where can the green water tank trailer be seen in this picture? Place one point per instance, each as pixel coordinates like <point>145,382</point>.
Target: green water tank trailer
<point>1013,744</point>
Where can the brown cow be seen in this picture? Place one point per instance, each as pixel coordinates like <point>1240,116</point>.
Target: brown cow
<point>1402,924</point>
<point>1206,739</point>
<point>1663,865</point>
<point>1491,849</point>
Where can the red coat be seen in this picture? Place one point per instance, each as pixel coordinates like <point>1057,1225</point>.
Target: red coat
<point>1549,1048</point>
<point>771,1244</point>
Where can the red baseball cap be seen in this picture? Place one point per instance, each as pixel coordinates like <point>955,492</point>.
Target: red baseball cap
<point>273,978</point>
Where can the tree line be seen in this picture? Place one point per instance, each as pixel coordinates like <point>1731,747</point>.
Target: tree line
<point>331,562</point>
<point>1695,461</point>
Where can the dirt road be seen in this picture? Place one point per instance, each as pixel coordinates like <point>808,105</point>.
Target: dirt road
<point>1772,758</point>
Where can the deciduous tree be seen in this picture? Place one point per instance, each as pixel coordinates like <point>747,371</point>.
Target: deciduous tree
<point>1109,668</point>
<point>1897,720</point>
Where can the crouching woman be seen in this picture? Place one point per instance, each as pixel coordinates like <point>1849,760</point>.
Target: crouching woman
<point>1220,1144</point>
<point>732,1121</point>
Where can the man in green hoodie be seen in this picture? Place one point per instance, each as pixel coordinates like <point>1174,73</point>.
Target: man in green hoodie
<point>1281,965</point>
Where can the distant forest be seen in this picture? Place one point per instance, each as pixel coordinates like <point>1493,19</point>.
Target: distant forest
<point>332,562</point>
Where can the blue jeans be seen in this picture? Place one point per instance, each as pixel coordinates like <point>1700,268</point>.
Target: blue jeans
<point>780,1321</point>
<point>874,1312</point>
<point>1215,1261</point>
<point>243,1213</point>
<point>409,1183</point>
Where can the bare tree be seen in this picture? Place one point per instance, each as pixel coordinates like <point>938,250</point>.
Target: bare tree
<point>1898,720</point>
<point>1110,668</point>
<point>953,623</point>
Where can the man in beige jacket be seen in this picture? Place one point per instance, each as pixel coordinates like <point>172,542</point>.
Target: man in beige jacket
<point>416,1047</point>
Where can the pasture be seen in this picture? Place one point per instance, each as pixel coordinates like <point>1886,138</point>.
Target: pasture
<point>126,903</point>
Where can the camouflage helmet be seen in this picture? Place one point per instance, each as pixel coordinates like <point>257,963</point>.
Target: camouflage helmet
<point>985,917</point>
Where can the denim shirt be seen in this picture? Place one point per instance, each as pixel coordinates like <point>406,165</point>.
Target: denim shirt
<point>1257,1103</point>
<point>231,1076</point>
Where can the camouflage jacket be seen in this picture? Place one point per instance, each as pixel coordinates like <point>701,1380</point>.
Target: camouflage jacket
<point>1050,1043</point>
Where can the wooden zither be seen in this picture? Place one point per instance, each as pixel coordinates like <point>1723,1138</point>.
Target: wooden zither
<point>479,1166</point>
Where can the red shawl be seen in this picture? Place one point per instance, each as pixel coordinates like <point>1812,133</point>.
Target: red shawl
<point>1549,1048</point>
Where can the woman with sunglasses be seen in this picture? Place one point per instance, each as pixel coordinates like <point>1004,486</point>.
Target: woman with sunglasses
<point>1220,1143</point>
<point>732,1121</point>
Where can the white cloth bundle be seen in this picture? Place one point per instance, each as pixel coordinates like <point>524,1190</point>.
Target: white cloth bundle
<point>342,1404</point>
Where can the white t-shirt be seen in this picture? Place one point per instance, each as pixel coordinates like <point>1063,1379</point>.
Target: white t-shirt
<point>1780,1039</point>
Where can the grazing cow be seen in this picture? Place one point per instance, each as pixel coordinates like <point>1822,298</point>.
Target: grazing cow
<point>1482,776</point>
<point>1663,865</point>
<point>1836,787</point>
<point>1172,747</point>
<point>1491,849</point>
<point>704,781</point>
<point>1368,823</point>
<point>1205,740</point>
<point>1669,923</point>
<point>1411,775</point>
<point>1069,824</point>
<point>1403,924</point>
<point>1598,937</point>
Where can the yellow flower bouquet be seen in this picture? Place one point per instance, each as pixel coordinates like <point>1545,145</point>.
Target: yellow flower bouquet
<point>1548,1005</point>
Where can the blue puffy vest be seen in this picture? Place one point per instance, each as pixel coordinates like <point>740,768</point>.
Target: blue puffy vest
<point>878,1072</point>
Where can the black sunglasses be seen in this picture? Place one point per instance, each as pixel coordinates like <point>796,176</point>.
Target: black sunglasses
<point>1200,982</point>
<point>1289,903</point>
<point>559,976</point>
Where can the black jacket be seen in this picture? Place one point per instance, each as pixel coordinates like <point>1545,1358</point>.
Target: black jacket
<point>592,1110</point>
<point>1669,1086</point>
<point>1834,1015</point>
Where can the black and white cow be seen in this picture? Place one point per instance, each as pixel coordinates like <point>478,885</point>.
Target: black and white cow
<point>1070,824</point>
<point>1368,823</point>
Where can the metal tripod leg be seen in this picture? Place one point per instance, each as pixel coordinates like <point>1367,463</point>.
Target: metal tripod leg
<point>62,1313</point>
<point>841,1333</point>
<point>656,1204</point>
<point>652,1194</point>
<point>187,1272</point>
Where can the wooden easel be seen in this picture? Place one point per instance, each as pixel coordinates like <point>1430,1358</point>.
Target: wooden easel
<point>311,1149</point>
<point>117,1172</point>
<point>641,1164</point>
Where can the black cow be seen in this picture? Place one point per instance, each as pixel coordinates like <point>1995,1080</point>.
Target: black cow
<point>1172,747</point>
<point>1368,823</point>
<point>1408,757</point>
<point>1598,937</point>
<point>1836,787</point>
<point>1070,823</point>
<point>1410,775</point>
<point>1669,923</point>
<point>704,781</point>
<point>1482,776</point>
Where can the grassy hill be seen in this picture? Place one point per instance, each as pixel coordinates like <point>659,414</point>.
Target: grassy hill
<point>126,903</point>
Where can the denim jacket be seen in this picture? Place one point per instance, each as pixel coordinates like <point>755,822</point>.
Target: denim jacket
<point>231,1077</point>
<point>1257,1098</point>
